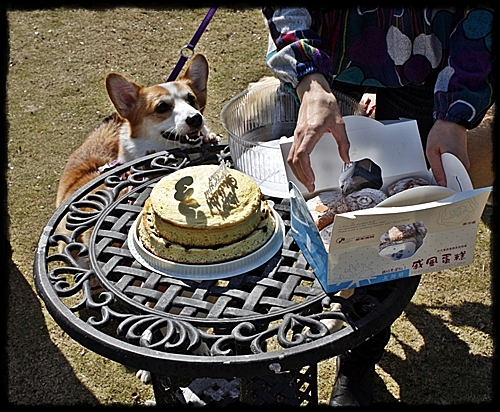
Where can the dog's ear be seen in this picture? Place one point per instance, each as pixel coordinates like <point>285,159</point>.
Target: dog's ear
<point>122,92</point>
<point>197,74</point>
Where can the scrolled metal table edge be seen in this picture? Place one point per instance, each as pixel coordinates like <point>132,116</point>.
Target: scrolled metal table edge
<point>303,338</point>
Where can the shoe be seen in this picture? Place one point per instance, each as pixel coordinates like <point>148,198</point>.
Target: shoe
<point>354,383</point>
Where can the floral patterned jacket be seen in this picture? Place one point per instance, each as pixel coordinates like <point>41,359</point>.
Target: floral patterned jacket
<point>390,47</point>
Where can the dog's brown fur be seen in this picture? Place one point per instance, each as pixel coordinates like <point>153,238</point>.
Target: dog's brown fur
<point>99,148</point>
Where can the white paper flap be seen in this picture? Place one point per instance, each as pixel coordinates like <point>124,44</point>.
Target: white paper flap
<point>395,147</point>
<point>457,177</point>
<point>417,195</point>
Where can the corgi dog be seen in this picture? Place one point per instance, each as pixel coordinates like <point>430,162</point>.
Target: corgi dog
<point>147,119</point>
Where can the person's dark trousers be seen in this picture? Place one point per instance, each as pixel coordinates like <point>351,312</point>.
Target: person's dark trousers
<point>356,367</point>
<point>410,102</point>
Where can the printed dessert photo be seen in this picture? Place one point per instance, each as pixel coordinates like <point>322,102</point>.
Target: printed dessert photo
<point>402,241</point>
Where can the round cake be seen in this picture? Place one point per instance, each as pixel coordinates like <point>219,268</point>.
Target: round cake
<point>205,214</point>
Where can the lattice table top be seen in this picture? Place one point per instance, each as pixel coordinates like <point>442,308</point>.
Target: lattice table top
<point>264,321</point>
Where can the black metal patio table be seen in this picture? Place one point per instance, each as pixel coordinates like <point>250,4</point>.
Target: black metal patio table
<point>256,337</point>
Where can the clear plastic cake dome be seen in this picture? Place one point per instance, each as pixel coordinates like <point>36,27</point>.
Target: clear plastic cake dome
<point>255,120</point>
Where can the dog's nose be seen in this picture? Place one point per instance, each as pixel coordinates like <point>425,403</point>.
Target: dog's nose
<point>195,121</point>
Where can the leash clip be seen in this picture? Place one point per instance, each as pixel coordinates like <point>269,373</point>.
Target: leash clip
<point>186,52</point>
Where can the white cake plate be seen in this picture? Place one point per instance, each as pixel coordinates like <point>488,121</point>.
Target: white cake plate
<point>207,272</point>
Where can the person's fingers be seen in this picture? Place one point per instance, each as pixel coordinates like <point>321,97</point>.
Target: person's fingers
<point>300,163</point>
<point>304,169</point>
<point>343,144</point>
<point>318,114</point>
<point>437,167</point>
<point>446,137</point>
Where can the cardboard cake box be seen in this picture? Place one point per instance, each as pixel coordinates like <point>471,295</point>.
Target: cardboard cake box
<point>446,218</point>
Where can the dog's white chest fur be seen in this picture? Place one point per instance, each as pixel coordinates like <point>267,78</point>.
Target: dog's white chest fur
<point>132,148</point>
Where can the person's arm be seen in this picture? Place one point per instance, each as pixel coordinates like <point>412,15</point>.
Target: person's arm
<point>464,90</point>
<point>294,48</point>
<point>319,113</point>
<point>296,59</point>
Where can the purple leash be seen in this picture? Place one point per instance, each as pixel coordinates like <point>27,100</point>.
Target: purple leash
<point>188,51</point>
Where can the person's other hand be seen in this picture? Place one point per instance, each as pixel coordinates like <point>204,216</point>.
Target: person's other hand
<point>446,137</point>
<point>319,113</point>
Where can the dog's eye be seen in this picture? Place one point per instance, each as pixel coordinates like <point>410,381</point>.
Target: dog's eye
<point>162,107</point>
<point>191,99</point>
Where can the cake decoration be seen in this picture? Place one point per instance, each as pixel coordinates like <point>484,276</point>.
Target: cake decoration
<point>183,192</point>
<point>216,178</point>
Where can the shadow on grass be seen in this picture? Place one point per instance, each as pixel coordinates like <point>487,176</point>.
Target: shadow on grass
<point>444,370</point>
<point>38,373</point>
<point>487,216</point>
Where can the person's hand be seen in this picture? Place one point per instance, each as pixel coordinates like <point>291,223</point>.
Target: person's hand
<point>319,113</point>
<point>446,137</point>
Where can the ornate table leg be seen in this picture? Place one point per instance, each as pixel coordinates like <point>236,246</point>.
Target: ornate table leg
<point>165,389</point>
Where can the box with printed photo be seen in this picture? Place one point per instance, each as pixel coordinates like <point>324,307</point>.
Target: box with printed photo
<point>382,217</point>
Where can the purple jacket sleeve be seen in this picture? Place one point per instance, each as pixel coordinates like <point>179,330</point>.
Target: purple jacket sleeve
<point>464,89</point>
<point>294,49</point>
